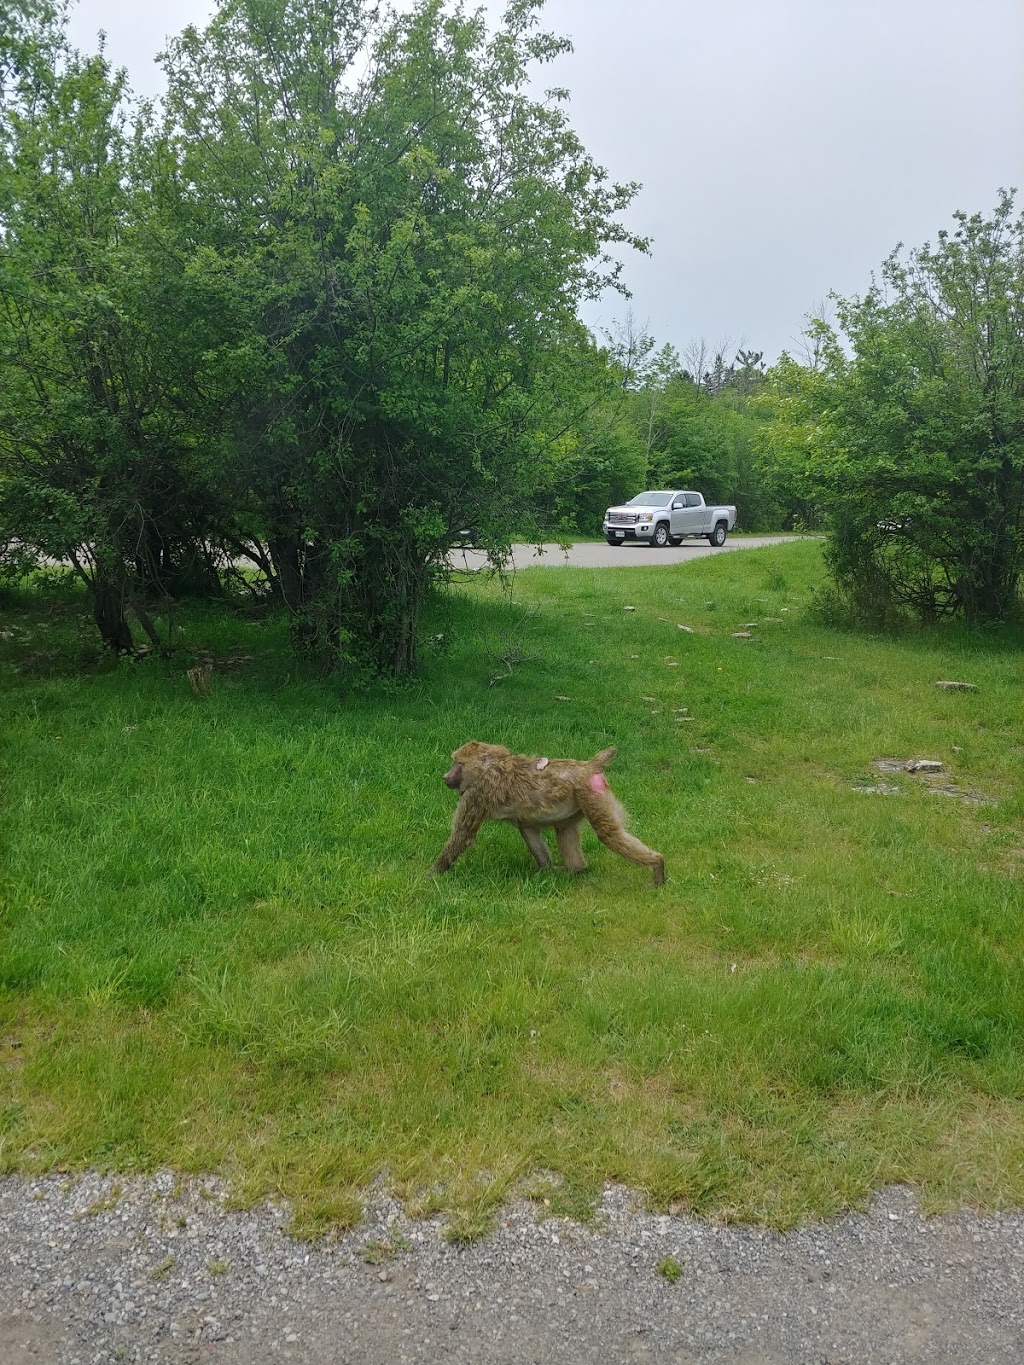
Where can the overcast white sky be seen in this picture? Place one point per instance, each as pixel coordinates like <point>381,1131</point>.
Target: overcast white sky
<point>784,146</point>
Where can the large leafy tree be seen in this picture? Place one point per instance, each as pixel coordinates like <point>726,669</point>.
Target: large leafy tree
<point>706,434</point>
<point>397,256</point>
<point>322,310</point>
<point>693,437</point>
<point>99,418</point>
<point>706,441</point>
<point>921,445</point>
<point>792,403</point>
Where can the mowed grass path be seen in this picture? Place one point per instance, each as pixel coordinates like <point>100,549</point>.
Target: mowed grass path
<point>218,950</point>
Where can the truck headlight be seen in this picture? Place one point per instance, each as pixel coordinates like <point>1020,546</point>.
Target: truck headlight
<point>647,516</point>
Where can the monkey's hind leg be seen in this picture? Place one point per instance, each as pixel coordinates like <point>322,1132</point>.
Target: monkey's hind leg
<point>605,814</point>
<point>535,843</point>
<point>568,835</point>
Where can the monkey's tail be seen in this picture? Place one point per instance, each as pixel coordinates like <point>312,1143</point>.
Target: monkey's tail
<point>600,761</point>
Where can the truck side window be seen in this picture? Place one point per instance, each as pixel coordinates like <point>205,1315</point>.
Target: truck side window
<point>692,500</point>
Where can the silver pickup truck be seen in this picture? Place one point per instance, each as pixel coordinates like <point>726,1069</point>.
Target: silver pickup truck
<point>664,518</point>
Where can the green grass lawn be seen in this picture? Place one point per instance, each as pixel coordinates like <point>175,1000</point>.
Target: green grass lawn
<point>218,950</point>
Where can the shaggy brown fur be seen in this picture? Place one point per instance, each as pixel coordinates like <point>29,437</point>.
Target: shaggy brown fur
<point>533,794</point>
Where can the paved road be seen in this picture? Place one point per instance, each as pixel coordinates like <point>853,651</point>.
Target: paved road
<point>601,555</point>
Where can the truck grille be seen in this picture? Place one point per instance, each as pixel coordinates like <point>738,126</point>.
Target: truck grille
<point>621,518</point>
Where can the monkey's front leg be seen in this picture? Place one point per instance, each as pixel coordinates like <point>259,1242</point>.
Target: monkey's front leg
<point>465,827</point>
<point>535,843</point>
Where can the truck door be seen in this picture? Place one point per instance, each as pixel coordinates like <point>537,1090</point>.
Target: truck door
<point>693,515</point>
<point>677,514</point>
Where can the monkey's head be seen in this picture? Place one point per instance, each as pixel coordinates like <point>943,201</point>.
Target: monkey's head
<point>470,760</point>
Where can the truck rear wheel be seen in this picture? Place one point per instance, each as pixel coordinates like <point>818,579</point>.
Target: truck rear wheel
<point>717,536</point>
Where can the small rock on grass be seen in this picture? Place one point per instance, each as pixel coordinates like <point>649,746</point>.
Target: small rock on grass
<point>948,685</point>
<point>742,635</point>
<point>969,798</point>
<point>907,765</point>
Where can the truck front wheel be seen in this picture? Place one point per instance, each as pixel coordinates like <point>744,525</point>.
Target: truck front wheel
<point>660,537</point>
<point>613,540</point>
<point>717,536</point>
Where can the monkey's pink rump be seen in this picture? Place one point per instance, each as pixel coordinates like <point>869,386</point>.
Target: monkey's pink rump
<point>598,783</point>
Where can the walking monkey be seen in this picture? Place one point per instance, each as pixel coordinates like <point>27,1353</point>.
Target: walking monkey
<point>536,793</point>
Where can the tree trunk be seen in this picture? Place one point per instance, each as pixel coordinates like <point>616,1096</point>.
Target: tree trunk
<point>288,570</point>
<point>988,587</point>
<point>153,566</point>
<point>390,582</point>
<point>365,612</point>
<point>109,603</point>
<point>990,557</point>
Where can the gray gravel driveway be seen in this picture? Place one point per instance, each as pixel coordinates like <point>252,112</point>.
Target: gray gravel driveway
<point>94,1270</point>
<point>601,555</point>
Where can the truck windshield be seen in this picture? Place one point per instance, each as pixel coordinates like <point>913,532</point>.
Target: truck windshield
<point>650,500</point>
